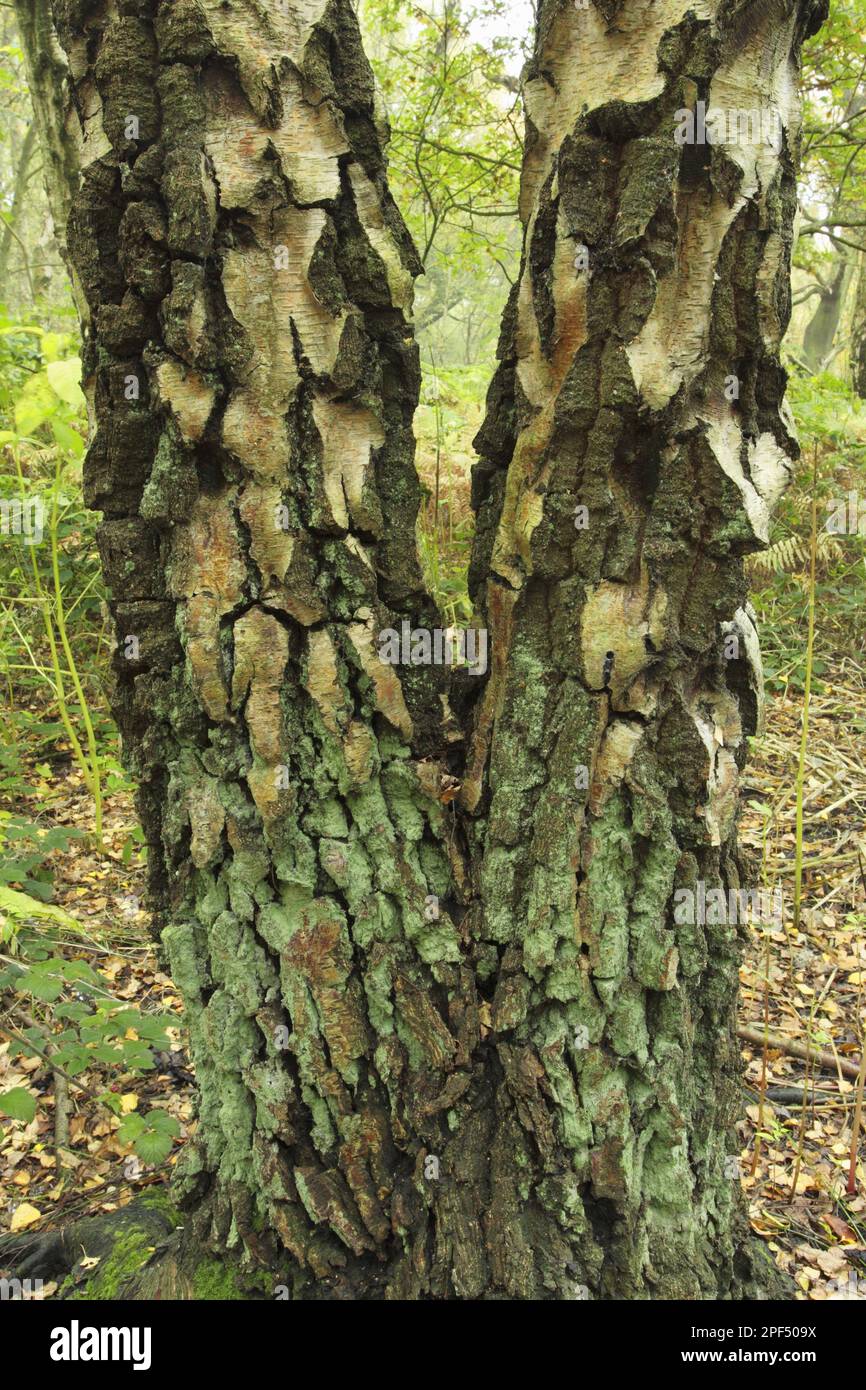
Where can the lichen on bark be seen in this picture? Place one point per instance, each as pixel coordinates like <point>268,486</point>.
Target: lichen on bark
<point>443,1049</point>
<point>635,442</point>
<point>253,377</point>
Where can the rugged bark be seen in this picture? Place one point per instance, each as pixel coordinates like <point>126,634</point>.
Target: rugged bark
<point>443,1050</point>
<point>253,377</point>
<point>640,380</point>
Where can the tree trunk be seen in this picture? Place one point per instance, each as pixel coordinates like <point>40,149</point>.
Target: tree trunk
<point>635,441</point>
<point>858,332</point>
<point>14,213</point>
<point>444,1048</point>
<point>820,332</point>
<point>48,85</point>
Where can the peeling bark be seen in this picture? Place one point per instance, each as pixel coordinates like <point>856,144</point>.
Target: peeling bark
<point>654,276</point>
<point>443,1049</point>
<point>252,375</point>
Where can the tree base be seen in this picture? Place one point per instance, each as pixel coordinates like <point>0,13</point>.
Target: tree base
<point>148,1250</point>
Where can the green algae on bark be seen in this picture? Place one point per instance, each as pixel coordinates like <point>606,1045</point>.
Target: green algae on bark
<point>444,1048</point>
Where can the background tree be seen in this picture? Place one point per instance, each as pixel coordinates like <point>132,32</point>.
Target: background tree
<point>832,191</point>
<point>31,271</point>
<point>445,72</point>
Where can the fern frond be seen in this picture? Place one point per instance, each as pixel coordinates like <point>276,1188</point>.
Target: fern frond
<point>792,553</point>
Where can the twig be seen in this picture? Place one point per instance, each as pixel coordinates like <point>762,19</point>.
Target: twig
<point>851,1189</point>
<point>858,1104</point>
<point>807,690</point>
<point>760,1125</point>
<point>61,1115</point>
<point>46,1057</point>
<point>798,1049</point>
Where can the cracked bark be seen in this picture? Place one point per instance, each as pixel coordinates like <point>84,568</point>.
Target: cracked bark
<point>546,1033</point>
<point>645,386</point>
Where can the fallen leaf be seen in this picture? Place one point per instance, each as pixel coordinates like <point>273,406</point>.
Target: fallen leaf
<point>24,1216</point>
<point>831,1261</point>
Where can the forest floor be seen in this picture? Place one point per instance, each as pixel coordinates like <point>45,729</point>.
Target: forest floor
<point>801,985</point>
<point>806,986</point>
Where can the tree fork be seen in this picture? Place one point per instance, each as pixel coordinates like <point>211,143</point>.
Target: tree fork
<point>442,1050</point>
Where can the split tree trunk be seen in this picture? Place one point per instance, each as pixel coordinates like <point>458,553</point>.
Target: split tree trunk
<point>444,1048</point>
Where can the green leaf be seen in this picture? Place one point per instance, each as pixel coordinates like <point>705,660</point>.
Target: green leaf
<point>150,1135</point>
<point>112,1100</point>
<point>79,970</point>
<point>22,907</point>
<point>130,1128</point>
<point>74,1058</point>
<point>36,403</point>
<point>41,986</point>
<point>39,888</point>
<point>67,438</point>
<point>137,1057</point>
<point>153,1146</point>
<point>165,1123</point>
<point>52,346</point>
<point>65,381</point>
<point>75,1012</point>
<point>18,1104</point>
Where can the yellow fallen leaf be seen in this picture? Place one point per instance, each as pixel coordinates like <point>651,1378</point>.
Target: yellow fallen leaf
<point>24,1216</point>
<point>857,977</point>
<point>22,1179</point>
<point>128,1101</point>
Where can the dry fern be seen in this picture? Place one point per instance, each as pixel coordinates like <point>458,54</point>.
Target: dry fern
<point>792,553</point>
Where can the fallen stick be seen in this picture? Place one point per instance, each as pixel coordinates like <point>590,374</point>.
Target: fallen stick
<point>798,1049</point>
<point>851,1189</point>
<point>800,1095</point>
